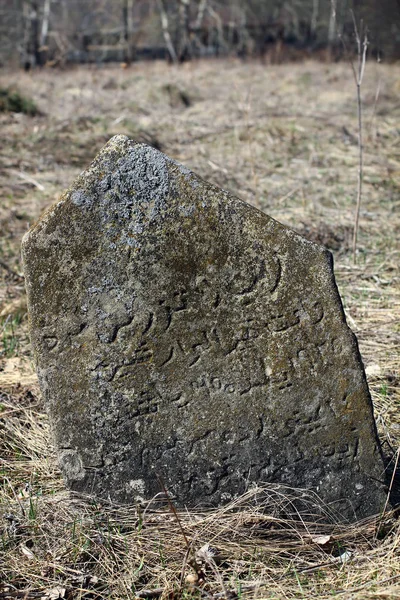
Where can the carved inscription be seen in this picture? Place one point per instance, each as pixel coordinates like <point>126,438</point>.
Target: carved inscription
<point>192,326</point>
<point>188,311</point>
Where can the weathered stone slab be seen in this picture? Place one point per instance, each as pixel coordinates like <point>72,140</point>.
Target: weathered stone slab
<point>180,332</point>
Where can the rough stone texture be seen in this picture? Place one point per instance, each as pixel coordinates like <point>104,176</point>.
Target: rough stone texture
<point>179,331</point>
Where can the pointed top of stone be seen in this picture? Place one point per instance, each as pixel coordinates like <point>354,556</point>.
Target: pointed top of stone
<point>180,332</point>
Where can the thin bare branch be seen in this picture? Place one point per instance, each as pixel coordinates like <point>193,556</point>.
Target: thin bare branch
<point>28,179</point>
<point>362,57</point>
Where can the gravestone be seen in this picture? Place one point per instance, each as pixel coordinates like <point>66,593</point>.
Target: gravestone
<point>179,332</point>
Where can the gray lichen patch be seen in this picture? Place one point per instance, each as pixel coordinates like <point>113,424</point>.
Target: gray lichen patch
<point>181,333</point>
<point>72,465</point>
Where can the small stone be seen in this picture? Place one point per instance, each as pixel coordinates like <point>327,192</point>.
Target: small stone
<point>191,579</point>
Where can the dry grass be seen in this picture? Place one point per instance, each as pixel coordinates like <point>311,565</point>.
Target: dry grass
<point>284,139</point>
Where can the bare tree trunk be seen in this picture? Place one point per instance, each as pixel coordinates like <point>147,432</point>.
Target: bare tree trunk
<point>166,33</point>
<point>314,18</point>
<point>200,14</point>
<point>25,58</point>
<point>198,40</point>
<point>34,17</point>
<point>331,28</point>
<point>45,23</point>
<point>183,42</point>
<point>31,52</point>
<point>243,34</point>
<point>127,18</point>
<point>43,49</point>
<point>219,29</point>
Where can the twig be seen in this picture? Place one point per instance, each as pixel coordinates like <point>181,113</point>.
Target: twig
<point>358,77</point>
<point>173,510</point>
<point>156,593</point>
<point>377,93</point>
<point>288,195</point>
<point>29,179</point>
<point>16,496</point>
<point>391,484</point>
<point>24,595</point>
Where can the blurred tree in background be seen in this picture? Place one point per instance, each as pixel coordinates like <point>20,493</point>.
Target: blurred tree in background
<point>56,32</point>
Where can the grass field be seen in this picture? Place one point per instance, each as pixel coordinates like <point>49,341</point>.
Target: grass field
<point>283,138</point>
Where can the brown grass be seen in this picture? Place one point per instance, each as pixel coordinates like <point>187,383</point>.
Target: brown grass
<point>284,139</point>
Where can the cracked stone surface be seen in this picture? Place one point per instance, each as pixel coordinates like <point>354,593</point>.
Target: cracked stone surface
<point>179,332</point>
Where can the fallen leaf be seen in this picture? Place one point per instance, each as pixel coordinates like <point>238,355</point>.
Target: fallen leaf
<point>321,540</point>
<point>206,553</point>
<point>26,552</point>
<point>26,492</point>
<point>56,593</point>
<point>344,557</point>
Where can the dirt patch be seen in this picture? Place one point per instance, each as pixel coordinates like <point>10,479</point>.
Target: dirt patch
<point>336,239</point>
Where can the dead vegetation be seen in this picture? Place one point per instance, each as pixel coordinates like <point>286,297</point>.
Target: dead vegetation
<point>11,100</point>
<point>284,139</point>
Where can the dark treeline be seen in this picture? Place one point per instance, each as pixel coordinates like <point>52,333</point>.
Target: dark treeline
<point>57,32</point>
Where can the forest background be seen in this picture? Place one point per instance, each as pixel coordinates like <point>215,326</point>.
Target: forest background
<point>56,32</point>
